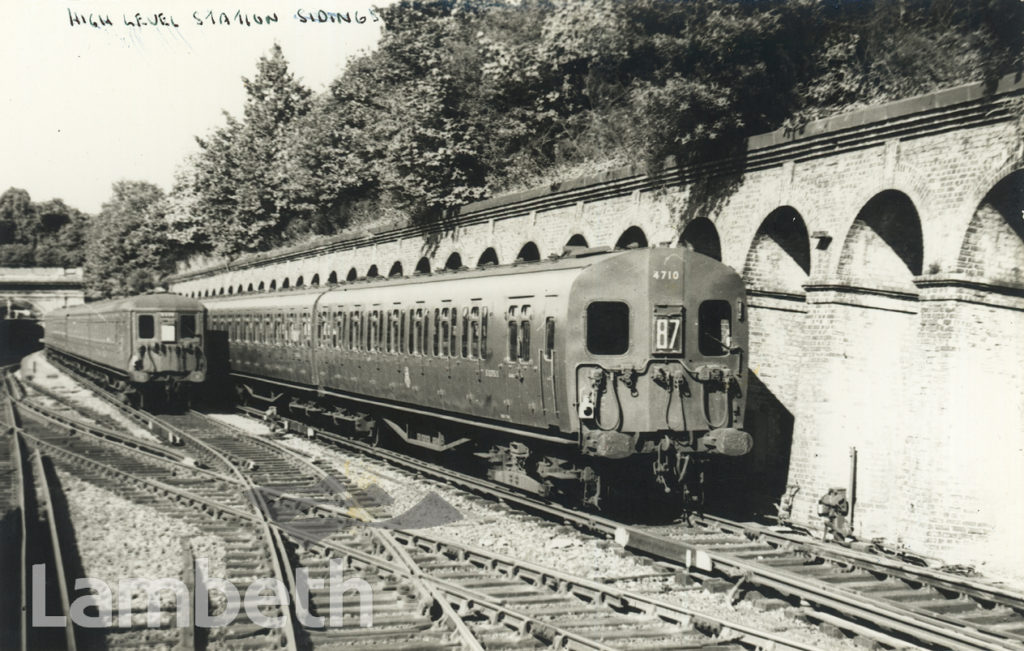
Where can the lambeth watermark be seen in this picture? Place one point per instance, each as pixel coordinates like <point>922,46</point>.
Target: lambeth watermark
<point>96,610</point>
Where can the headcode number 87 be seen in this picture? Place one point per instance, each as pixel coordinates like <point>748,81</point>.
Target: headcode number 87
<point>667,331</point>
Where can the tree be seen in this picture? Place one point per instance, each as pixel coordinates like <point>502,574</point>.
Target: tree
<point>238,182</point>
<point>128,248</point>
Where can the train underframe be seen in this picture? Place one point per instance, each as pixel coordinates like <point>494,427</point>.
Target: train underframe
<point>161,392</point>
<point>667,471</point>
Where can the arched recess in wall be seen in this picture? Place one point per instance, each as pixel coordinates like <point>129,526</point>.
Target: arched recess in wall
<point>352,275</point>
<point>300,281</point>
<point>240,289</point>
<point>249,289</point>
<point>372,271</point>
<point>883,248</point>
<point>333,278</point>
<point>261,287</point>
<point>396,270</point>
<point>273,285</point>
<point>529,253</point>
<point>700,235</point>
<point>231,290</point>
<point>779,259</point>
<point>577,240</point>
<point>315,280</point>
<point>993,248</point>
<point>454,261</point>
<point>423,266</point>
<point>488,258</point>
<point>632,238</point>
<point>285,284</point>
<point>221,291</point>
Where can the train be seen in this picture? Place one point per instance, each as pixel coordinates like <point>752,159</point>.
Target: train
<point>594,374</point>
<point>148,349</point>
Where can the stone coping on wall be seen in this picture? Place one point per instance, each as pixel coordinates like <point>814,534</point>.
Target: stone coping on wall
<point>962,288</point>
<point>58,276</point>
<point>960,107</point>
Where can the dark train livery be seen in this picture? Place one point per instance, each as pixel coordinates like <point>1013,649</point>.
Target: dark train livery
<point>147,348</point>
<point>560,375</point>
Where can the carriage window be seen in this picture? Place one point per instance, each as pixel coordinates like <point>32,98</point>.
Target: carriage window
<point>465,332</point>
<point>437,332</point>
<point>483,333</point>
<point>524,341</point>
<point>513,341</point>
<point>188,325</point>
<point>400,318</point>
<point>445,332</point>
<point>454,332</point>
<point>146,329</point>
<point>607,328</point>
<point>715,328</point>
<point>549,337</point>
<point>474,347</point>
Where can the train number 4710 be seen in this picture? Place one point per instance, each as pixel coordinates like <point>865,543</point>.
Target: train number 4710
<point>665,274</point>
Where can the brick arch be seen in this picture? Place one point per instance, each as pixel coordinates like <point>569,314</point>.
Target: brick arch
<point>488,257</point>
<point>993,245</point>
<point>528,252</point>
<point>332,279</point>
<point>577,239</point>
<point>273,285</point>
<point>396,270</point>
<point>423,266</point>
<point>285,284</point>
<point>352,275</point>
<point>632,235</point>
<point>701,235</point>
<point>300,281</point>
<point>249,289</point>
<point>315,280</point>
<point>261,287</point>
<point>372,271</point>
<point>884,247</point>
<point>779,258</point>
<point>454,261</point>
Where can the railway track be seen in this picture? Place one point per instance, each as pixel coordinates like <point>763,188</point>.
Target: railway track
<point>32,546</point>
<point>866,594</point>
<point>433,594</point>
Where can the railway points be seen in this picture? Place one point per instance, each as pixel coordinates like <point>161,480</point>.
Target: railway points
<point>494,616</point>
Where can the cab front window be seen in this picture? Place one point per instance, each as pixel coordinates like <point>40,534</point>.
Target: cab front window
<point>607,328</point>
<point>714,321</point>
<point>146,327</point>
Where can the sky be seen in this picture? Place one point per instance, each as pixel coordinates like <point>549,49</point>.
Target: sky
<point>85,106</point>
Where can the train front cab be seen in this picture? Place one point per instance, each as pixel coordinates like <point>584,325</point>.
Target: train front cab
<point>167,349</point>
<point>660,374</point>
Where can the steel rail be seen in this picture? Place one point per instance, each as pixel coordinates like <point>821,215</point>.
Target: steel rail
<point>582,587</point>
<point>259,520</point>
<point>408,571</point>
<point>930,628</point>
<point>26,495</point>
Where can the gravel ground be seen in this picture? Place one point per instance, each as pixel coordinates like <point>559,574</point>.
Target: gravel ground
<point>119,539</point>
<point>38,369</point>
<point>496,528</point>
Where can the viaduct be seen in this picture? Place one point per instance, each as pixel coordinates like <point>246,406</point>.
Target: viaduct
<point>883,251</point>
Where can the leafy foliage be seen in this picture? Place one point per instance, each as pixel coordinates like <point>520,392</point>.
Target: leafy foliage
<point>464,99</point>
<point>48,234</point>
<point>128,246</point>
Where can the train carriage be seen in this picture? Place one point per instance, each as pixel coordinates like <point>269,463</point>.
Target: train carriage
<point>558,374</point>
<point>145,347</point>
